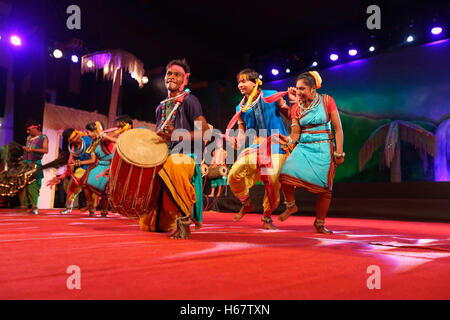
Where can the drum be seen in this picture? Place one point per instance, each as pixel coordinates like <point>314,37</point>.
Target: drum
<point>133,187</point>
<point>204,169</point>
<point>215,172</point>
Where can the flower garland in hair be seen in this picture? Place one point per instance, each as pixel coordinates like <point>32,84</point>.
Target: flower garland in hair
<point>317,78</point>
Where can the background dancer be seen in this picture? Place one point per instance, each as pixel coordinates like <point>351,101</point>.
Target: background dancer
<point>102,153</point>
<point>36,147</point>
<point>77,143</point>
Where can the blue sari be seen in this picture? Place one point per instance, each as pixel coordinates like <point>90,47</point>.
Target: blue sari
<point>311,164</point>
<point>104,157</point>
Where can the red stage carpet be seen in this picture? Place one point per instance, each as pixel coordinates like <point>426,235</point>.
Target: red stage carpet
<point>223,260</point>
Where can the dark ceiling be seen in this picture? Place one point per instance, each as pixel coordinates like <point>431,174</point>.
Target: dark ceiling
<point>218,37</point>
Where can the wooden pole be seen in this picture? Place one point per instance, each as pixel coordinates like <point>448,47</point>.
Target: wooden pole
<point>114,97</point>
<point>396,168</point>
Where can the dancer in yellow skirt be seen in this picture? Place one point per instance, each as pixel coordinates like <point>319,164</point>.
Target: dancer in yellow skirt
<point>261,118</point>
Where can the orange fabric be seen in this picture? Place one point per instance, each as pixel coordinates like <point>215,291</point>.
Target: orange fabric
<point>176,174</point>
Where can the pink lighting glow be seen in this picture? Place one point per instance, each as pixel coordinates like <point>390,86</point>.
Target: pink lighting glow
<point>15,40</point>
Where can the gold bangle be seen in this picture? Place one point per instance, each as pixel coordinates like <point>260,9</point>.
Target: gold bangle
<point>339,155</point>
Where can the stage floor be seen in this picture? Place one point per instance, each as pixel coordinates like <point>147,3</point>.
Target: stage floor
<point>224,260</point>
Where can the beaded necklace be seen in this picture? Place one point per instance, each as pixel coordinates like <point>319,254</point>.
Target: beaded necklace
<point>244,107</point>
<point>313,104</point>
<point>31,139</point>
<point>165,109</point>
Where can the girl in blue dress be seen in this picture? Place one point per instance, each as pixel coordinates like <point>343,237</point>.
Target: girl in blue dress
<point>318,152</point>
<point>96,180</point>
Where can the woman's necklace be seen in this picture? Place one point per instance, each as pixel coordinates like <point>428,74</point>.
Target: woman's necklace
<point>304,110</point>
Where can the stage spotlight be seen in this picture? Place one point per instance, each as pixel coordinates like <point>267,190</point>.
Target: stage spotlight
<point>410,39</point>
<point>436,30</point>
<point>260,76</point>
<point>15,40</point>
<point>145,79</point>
<point>275,72</point>
<point>288,70</point>
<point>74,58</point>
<point>334,57</point>
<point>57,53</point>
<point>90,64</point>
<point>314,64</point>
<point>134,75</point>
<point>372,49</point>
<point>353,52</point>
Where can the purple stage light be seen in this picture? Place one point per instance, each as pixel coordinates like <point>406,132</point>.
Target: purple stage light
<point>436,30</point>
<point>74,58</point>
<point>334,57</point>
<point>353,52</point>
<point>275,72</point>
<point>15,40</point>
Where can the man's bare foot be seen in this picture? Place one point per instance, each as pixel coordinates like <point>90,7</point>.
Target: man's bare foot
<point>243,211</point>
<point>182,230</point>
<point>198,225</point>
<point>287,213</point>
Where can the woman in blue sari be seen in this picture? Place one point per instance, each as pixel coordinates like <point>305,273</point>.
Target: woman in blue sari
<point>313,162</point>
<point>96,177</point>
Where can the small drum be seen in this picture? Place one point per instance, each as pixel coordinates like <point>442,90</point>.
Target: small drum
<point>133,187</point>
<point>215,172</point>
<point>204,169</point>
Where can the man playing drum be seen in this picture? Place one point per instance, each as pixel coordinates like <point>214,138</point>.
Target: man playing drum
<point>179,123</point>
